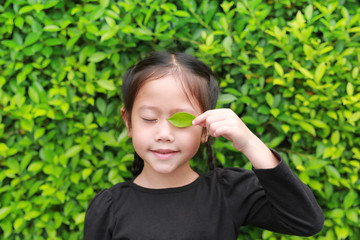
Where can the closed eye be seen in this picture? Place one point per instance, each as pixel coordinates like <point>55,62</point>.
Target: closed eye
<point>149,120</point>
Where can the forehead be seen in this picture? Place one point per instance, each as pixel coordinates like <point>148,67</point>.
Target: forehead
<point>167,91</point>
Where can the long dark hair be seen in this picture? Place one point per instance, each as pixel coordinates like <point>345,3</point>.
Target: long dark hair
<point>195,76</point>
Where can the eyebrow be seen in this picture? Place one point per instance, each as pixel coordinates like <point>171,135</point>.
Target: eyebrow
<point>153,108</point>
<point>148,107</point>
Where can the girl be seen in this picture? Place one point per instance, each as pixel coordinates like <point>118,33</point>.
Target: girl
<point>167,199</point>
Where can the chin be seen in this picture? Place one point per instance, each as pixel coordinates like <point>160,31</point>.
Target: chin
<point>164,170</point>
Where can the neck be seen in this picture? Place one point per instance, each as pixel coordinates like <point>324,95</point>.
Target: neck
<point>155,180</point>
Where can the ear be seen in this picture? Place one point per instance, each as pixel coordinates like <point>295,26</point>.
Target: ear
<point>126,119</point>
<point>204,136</point>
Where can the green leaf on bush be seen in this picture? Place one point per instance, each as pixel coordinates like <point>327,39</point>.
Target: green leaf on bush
<point>320,70</point>
<point>35,166</point>
<point>51,28</point>
<point>350,199</point>
<point>97,57</point>
<point>307,127</point>
<point>18,222</point>
<point>107,84</point>
<point>181,119</point>
<point>4,212</point>
<point>73,151</point>
<point>349,89</point>
<point>227,44</point>
<point>269,99</point>
<point>279,69</point>
<point>352,215</point>
<point>181,13</point>
<point>309,12</point>
<point>226,99</point>
<point>31,38</point>
<point>335,137</point>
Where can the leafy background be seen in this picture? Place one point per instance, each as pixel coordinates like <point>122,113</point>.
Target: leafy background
<point>289,68</point>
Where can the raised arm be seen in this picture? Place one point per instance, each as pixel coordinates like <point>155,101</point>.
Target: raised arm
<point>224,122</point>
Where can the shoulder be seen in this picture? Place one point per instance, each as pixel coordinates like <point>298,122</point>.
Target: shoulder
<point>231,177</point>
<point>105,198</point>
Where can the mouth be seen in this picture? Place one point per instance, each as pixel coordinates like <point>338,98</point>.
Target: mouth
<point>164,154</point>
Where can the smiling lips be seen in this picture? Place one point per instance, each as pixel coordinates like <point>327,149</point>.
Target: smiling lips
<point>164,154</point>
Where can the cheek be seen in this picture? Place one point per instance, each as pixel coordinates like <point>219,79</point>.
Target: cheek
<point>140,137</point>
<point>192,139</point>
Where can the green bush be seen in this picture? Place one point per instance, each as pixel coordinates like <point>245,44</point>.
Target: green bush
<point>289,68</point>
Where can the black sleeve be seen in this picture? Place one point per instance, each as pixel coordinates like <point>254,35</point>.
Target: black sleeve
<point>98,218</point>
<point>273,199</point>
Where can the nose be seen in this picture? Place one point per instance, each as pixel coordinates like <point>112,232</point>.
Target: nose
<point>165,131</point>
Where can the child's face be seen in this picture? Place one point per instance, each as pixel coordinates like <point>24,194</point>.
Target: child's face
<point>163,147</point>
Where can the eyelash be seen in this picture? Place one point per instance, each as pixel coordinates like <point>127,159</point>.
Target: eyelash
<point>149,120</point>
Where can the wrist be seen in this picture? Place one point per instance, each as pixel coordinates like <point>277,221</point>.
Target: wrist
<point>259,154</point>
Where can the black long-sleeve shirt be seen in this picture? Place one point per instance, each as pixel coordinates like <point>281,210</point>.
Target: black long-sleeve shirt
<point>212,207</point>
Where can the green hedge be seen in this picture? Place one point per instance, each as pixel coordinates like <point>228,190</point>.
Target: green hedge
<point>289,68</point>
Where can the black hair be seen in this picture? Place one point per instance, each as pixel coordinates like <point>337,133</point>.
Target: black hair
<point>195,76</point>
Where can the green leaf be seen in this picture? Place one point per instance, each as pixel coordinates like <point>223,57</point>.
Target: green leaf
<point>18,222</point>
<point>350,199</point>
<point>4,212</point>
<point>111,22</point>
<point>27,124</point>
<point>3,148</point>
<point>181,13</point>
<point>276,141</point>
<point>104,3</point>
<point>107,35</point>
<point>88,119</point>
<point>73,151</point>
<point>318,123</point>
<point>51,28</point>
<point>319,73</point>
<point>226,99</point>
<point>97,57</point>
<point>31,38</point>
<point>306,73</point>
<point>307,127</point>
<point>355,72</point>
<point>25,9</point>
<point>352,215</point>
<point>79,218</point>
<point>336,213</point>
<point>35,166</point>
<point>32,214</point>
<point>86,173</point>
<point>269,99</point>
<point>227,43</point>
<point>335,137</point>
<point>33,95</point>
<point>349,89</point>
<point>279,69</point>
<point>6,227</point>
<point>107,84</point>
<point>101,105</point>
<point>309,12</point>
<point>97,176</point>
<point>332,171</point>
<point>181,119</point>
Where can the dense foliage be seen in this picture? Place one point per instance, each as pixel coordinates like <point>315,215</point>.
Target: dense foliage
<point>289,68</point>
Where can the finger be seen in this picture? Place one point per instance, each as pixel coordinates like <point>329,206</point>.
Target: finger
<point>215,128</point>
<point>201,119</point>
<point>210,116</point>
